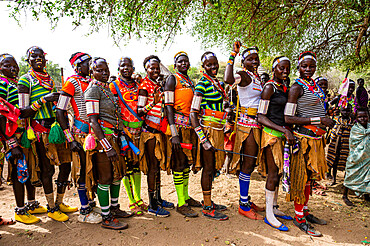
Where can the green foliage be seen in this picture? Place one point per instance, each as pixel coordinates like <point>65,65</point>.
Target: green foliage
<point>52,68</point>
<point>335,29</point>
<point>193,73</point>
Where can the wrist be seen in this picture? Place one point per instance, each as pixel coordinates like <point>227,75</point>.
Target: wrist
<point>68,135</point>
<point>12,143</point>
<point>202,138</point>
<point>315,121</point>
<point>173,129</point>
<point>106,145</point>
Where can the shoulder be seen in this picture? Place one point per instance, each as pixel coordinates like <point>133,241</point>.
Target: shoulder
<point>113,88</point>
<point>25,79</point>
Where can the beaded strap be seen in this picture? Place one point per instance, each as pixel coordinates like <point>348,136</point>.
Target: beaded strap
<point>12,143</point>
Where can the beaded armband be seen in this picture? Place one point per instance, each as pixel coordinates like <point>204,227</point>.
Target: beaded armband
<point>169,97</point>
<point>106,145</point>
<point>263,106</point>
<point>200,133</point>
<point>63,102</point>
<point>68,135</point>
<point>12,143</point>
<point>315,121</point>
<point>231,58</point>
<point>173,129</point>
<point>290,109</point>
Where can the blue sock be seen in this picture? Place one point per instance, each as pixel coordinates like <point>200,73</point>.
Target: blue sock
<point>83,196</point>
<point>244,180</point>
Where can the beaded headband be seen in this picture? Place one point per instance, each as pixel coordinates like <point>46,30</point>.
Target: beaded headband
<point>78,58</point>
<point>94,62</point>
<point>320,78</point>
<point>125,57</point>
<point>6,56</point>
<point>31,50</point>
<point>149,61</point>
<point>208,56</point>
<point>178,54</point>
<point>249,52</point>
<point>305,58</point>
<point>280,60</point>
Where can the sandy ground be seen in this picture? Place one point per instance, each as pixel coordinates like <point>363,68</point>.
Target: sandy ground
<point>346,226</point>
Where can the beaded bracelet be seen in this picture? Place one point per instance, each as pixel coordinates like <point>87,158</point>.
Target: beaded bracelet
<point>231,58</point>
<point>200,133</point>
<point>68,135</point>
<point>315,121</point>
<point>106,145</point>
<point>12,143</point>
<point>36,105</point>
<point>148,107</point>
<point>42,99</point>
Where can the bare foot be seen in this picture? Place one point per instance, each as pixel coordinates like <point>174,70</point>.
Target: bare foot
<point>347,201</point>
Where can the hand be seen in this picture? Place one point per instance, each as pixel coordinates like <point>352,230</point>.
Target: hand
<point>76,146</point>
<point>208,146</point>
<point>289,137</point>
<point>157,96</point>
<point>176,144</point>
<point>52,97</point>
<point>236,46</point>
<point>112,155</point>
<point>17,153</point>
<point>327,122</point>
<point>137,78</point>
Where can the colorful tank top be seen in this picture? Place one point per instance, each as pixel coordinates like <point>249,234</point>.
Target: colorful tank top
<point>184,92</point>
<point>9,90</point>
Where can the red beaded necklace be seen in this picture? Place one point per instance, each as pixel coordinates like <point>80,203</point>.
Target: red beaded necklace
<point>44,79</point>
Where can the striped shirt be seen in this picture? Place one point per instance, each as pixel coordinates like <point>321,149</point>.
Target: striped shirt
<point>212,98</point>
<point>155,114</point>
<point>9,90</point>
<point>76,86</point>
<point>38,91</point>
<point>309,105</point>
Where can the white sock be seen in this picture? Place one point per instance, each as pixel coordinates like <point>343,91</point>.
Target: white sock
<point>276,210</point>
<point>269,208</point>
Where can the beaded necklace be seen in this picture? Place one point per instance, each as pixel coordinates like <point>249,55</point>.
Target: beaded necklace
<point>130,87</point>
<point>186,81</point>
<point>216,84</point>
<point>314,88</point>
<point>103,87</point>
<point>44,79</point>
<point>255,77</point>
<point>278,85</point>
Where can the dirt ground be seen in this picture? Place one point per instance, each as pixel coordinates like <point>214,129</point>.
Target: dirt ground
<point>346,226</point>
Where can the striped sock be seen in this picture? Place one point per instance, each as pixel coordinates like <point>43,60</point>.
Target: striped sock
<point>186,183</point>
<point>244,181</point>
<point>83,196</point>
<point>103,197</point>
<point>114,193</point>
<point>299,216</point>
<point>178,179</point>
<point>307,192</point>
<point>127,184</point>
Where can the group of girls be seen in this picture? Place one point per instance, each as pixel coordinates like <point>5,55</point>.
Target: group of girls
<point>177,126</point>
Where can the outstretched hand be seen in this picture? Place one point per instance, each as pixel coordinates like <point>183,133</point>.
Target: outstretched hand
<point>236,46</point>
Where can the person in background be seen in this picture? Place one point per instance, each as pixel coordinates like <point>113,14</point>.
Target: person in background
<point>362,98</point>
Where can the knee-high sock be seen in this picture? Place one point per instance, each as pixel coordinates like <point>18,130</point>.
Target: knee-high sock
<point>59,198</point>
<point>153,204</point>
<point>83,196</point>
<point>50,200</point>
<point>307,192</point>
<point>298,212</point>
<point>178,179</point>
<point>136,183</point>
<point>128,186</point>
<point>244,181</point>
<point>103,197</point>
<point>207,198</point>
<point>186,183</point>
<point>276,210</point>
<point>114,193</point>
<point>269,208</point>
<point>158,188</point>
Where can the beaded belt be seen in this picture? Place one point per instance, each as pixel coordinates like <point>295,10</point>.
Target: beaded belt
<point>247,121</point>
<point>273,132</point>
<point>182,120</point>
<point>134,131</point>
<point>248,111</point>
<point>214,125</point>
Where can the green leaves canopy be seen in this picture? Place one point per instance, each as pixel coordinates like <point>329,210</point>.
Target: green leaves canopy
<point>337,30</point>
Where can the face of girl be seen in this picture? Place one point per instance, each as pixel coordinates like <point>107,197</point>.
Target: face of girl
<point>125,68</point>
<point>211,66</point>
<point>251,62</point>
<point>84,68</point>
<point>9,68</point>
<point>362,118</point>
<point>351,89</point>
<point>37,60</point>
<point>307,68</point>
<point>282,70</point>
<point>101,71</point>
<point>153,70</point>
<point>182,64</point>
<point>323,83</point>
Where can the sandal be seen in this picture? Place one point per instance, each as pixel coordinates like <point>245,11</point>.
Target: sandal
<point>319,192</point>
<point>6,222</point>
<point>135,209</point>
<point>319,186</point>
